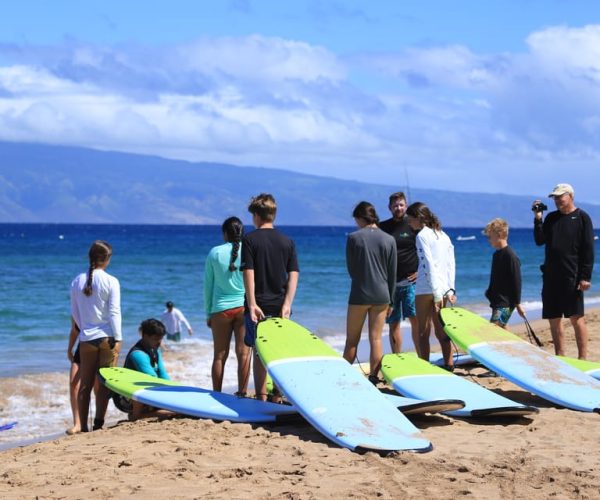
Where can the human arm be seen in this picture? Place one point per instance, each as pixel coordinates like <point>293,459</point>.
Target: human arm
<point>209,282</point>
<point>586,254</point>
<point>256,313</point>
<point>161,371</point>
<point>392,262</point>
<point>141,361</point>
<point>290,293</point>
<point>182,319</point>
<point>538,227</point>
<point>114,309</point>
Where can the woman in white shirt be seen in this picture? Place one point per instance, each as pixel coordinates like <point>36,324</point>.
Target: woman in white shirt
<point>96,310</point>
<point>435,279</point>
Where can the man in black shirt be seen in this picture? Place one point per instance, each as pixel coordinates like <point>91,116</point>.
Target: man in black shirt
<point>567,270</point>
<point>270,268</point>
<point>407,263</point>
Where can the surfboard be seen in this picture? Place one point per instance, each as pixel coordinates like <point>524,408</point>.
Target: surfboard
<point>413,406</point>
<point>414,377</point>
<point>460,359</point>
<point>520,362</point>
<point>330,394</point>
<point>192,401</point>
<point>592,368</point>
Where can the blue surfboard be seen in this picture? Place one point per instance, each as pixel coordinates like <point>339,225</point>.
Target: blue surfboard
<point>520,362</point>
<point>330,394</point>
<point>415,377</point>
<point>192,401</point>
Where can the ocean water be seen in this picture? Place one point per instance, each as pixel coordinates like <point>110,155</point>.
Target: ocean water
<point>159,263</point>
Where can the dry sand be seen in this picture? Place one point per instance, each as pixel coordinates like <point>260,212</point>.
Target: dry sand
<point>553,454</point>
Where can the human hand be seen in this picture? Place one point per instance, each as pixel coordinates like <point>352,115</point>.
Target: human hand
<point>538,215</point>
<point>207,323</point>
<point>70,355</point>
<point>286,311</point>
<point>412,277</point>
<point>584,285</point>
<point>389,311</point>
<point>256,314</point>
<point>191,332</point>
<point>520,310</point>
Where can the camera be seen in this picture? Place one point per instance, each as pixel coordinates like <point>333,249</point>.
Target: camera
<point>539,207</point>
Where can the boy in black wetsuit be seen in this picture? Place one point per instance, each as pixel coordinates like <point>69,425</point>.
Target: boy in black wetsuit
<point>504,291</point>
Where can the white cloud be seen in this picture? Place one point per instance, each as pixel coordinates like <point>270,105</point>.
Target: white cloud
<point>447,114</point>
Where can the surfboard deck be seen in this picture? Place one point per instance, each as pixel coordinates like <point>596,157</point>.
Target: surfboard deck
<point>415,377</point>
<point>192,401</point>
<point>591,368</point>
<point>337,400</point>
<point>520,362</point>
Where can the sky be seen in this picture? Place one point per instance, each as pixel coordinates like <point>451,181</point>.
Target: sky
<point>466,95</point>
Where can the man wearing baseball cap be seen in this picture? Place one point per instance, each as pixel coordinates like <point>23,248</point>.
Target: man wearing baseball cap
<point>567,270</point>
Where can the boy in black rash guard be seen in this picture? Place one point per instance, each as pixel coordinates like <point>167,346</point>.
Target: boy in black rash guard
<point>504,291</point>
<point>270,268</point>
<point>567,270</point>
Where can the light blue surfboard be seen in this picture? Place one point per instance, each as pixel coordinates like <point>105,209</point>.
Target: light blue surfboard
<point>192,401</point>
<point>460,359</point>
<point>592,368</point>
<point>415,377</point>
<point>330,394</point>
<point>520,362</point>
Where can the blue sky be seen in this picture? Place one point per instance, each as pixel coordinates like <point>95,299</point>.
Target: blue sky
<point>489,96</point>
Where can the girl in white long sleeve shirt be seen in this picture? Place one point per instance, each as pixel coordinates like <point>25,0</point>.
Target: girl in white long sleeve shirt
<point>435,279</point>
<point>96,311</point>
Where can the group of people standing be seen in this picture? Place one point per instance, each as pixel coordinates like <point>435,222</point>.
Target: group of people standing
<point>400,268</point>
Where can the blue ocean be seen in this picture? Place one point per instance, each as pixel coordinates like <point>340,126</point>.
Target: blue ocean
<point>157,263</point>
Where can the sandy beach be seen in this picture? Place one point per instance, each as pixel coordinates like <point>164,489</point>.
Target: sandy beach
<point>552,454</point>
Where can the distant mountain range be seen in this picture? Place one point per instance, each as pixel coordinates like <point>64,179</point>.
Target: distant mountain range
<point>42,183</point>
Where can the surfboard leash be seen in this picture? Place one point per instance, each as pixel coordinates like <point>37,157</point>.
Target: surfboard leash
<point>531,333</point>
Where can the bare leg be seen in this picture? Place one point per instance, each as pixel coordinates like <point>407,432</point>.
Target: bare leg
<point>414,331</point>
<point>260,378</point>
<point>424,306</point>
<point>222,329</point>
<point>242,353</point>
<point>558,335</point>
<point>395,337</point>
<point>376,321</point>
<point>581,335</point>
<point>443,339</point>
<point>107,357</point>
<point>355,319</point>
<point>74,385</point>
<point>87,372</point>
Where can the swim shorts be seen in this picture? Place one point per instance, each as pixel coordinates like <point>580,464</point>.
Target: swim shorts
<point>106,349</point>
<point>404,304</point>
<point>501,315</point>
<point>560,301</point>
<point>175,337</point>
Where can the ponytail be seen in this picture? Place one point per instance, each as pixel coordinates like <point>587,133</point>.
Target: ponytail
<point>233,230</point>
<point>421,212</point>
<point>99,253</point>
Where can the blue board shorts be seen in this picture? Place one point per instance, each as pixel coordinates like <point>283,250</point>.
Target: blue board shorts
<point>501,315</point>
<point>404,304</point>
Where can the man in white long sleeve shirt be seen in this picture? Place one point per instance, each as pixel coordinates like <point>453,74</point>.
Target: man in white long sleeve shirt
<point>172,319</point>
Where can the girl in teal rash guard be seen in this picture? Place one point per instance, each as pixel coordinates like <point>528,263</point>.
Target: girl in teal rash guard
<point>224,304</point>
<point>145,356</point>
